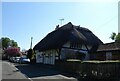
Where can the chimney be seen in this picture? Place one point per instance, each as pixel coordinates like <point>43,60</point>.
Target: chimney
<point>57,27</point>
<point>119,17</point>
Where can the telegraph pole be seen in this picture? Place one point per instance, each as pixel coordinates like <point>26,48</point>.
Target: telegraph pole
<point>31,43</point>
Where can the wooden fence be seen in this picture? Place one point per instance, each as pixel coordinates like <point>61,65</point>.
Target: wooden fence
<point>92,69</point>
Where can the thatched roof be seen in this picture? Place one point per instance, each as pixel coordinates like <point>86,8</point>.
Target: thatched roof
<point>57,38</point>
<point>109,47</point>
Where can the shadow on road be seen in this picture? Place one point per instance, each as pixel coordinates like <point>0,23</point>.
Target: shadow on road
<point>40,70</point>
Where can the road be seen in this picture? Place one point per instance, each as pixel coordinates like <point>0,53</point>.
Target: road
<point>33,72</point>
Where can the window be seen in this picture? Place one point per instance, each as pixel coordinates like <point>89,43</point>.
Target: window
<point>108,55</point>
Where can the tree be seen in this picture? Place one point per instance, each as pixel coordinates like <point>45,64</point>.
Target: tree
<point>115,37</point>
<point>118,38</point>
<point>14,44</point>
<point>6,42</point>
<point>12,51</point>
<point>30,54</point>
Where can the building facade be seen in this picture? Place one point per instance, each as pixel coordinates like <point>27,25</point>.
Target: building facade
<point>66,42</point>
<point>108,51</point>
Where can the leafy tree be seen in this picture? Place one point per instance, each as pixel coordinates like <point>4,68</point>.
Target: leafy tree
<point>12,51</point>
<point>6,42</point>
<point>14,44</point>
<point>115,37</point>
<point>30,54</point>
<point>118,38</point>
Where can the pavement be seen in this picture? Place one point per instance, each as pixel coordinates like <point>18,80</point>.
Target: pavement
<point>10,72</point>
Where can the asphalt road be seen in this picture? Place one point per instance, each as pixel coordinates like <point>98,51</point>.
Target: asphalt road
<point>33,72</point>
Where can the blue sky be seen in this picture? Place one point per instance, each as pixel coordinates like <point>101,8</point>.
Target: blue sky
<point>23,20</point>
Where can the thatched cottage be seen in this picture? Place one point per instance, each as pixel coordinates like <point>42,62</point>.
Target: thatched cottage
<point>66,42</point>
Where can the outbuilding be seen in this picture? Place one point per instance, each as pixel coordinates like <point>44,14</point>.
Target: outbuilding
<point>108,51</point>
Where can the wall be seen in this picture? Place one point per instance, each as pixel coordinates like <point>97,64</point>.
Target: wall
<point>100,56</point>
<point>115,55</point>
<point>39,57</point>
<point>68,52</point>
<point>46,57</point>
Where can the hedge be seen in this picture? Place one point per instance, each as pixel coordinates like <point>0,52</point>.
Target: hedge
<point>92,69</point>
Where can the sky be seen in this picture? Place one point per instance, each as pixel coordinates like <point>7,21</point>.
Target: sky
<point>23,20</point>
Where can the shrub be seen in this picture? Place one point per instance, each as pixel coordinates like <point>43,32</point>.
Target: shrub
<point>12,51</point>
<point>31,54</point>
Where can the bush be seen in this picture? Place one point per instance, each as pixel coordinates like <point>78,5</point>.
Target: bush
<point>12,51</point>
<point>31,54</point>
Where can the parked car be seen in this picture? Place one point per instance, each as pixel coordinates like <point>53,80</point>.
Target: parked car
<point>24,60</point>
<point>17,59</point>
<point>12,59</point>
